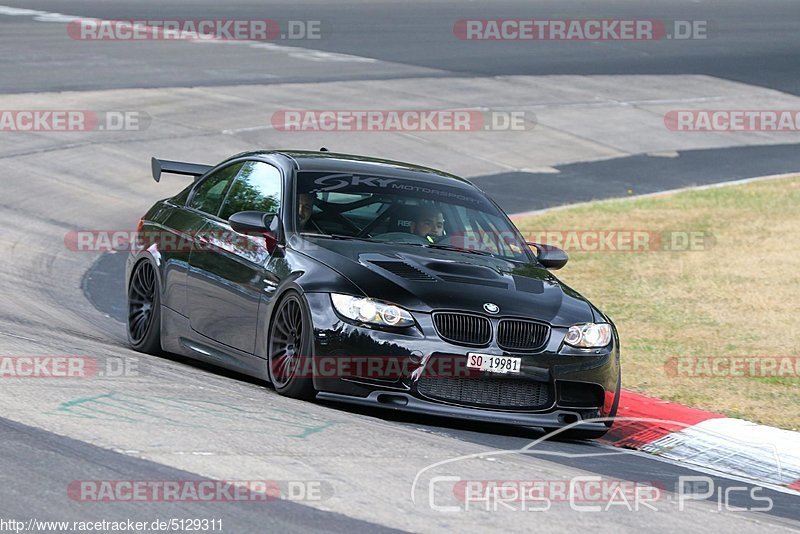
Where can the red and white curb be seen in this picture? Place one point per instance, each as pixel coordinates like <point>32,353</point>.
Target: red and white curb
<point>708,440</point>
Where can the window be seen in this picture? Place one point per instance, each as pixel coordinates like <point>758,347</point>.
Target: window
<point>209,194</point>
<point>359,209</point>
<point>410,212</point>
<point>487,232</point>
<point>257,188</point>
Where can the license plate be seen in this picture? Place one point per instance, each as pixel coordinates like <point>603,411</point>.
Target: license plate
<point>493,364</point>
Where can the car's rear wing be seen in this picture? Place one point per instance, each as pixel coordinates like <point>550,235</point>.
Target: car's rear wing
<point>195,170</point>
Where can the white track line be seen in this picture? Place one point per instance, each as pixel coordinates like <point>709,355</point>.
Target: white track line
<point>666,192</point>
<point>292,51</point>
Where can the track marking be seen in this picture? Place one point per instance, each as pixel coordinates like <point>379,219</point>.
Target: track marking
<point>18,337</point>
<point>656,194</point>
<point>296,52</point>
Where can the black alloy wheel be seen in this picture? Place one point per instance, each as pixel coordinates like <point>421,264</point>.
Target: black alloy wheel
<point>290,339</point>
<point>144,312</point>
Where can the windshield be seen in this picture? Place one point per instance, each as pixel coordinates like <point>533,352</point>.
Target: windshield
<point>397,210</point>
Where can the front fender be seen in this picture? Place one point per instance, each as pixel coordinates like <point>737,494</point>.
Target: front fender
<point>304,275</point>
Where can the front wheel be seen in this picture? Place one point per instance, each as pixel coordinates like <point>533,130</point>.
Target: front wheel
<point>290,344</point>
<point>144,309</point>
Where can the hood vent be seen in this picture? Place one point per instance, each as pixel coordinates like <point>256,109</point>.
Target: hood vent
<point>404,270</point>
<point>529,285</point>
<point>476,281</point>
<point>466,270</point>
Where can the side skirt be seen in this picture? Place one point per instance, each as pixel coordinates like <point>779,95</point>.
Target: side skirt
<point>178,337</point>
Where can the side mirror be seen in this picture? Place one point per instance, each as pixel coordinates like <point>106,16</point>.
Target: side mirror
<point>550,256</point>
<point>257,223</point>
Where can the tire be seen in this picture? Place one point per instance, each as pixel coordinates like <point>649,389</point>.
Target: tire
<point>289,348</point>
<point>144,309</point>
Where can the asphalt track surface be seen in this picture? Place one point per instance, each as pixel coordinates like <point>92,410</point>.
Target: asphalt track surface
<point>61,303</point>
<point>640,174</point>
<point>752,42</point>
<point>38,464</point>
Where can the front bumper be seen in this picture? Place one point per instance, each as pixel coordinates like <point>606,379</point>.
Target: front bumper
<point>580,384</point>
<point>405,402</point>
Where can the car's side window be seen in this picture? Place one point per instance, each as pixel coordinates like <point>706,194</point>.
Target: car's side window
<point>257,188</point>
<point>209,194</point>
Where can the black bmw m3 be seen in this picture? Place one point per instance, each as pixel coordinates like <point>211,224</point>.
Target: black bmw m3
<point>367,281</point>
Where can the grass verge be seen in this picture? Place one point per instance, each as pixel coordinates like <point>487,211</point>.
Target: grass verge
<point>710,281</point>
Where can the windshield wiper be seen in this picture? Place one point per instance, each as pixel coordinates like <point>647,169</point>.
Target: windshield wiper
<point>448,247</point>
<point>427,245</point>
<point>459,249</point>
<point>340,236</point>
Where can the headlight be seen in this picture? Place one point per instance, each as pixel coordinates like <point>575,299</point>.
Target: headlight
<point>371,311</point>
<point>589,335</point>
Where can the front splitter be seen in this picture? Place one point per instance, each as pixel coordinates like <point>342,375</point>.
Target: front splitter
<point>404,402</point>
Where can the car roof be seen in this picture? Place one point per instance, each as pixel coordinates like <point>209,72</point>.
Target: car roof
<point>306,160</point>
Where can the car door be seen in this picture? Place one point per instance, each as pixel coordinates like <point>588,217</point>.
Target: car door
<point>181,227</point>
<point>226,276</point>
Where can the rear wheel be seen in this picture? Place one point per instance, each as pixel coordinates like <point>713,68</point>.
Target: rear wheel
<point>144,309</point>
<point>290,344</point>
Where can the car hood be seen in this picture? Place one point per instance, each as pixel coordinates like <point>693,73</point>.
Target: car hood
<point>424,279</point>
